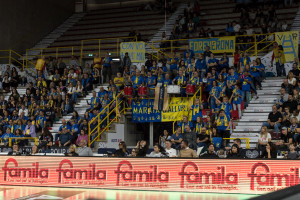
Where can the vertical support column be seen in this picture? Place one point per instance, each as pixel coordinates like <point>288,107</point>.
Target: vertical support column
<point>151,135</point>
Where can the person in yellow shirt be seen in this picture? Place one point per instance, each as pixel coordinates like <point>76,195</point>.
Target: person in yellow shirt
<point>97,62</point>
<point>40,64</point>
<point>278,56</point>
<point>119,81</point>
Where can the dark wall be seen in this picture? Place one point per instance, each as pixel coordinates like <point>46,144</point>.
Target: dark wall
<point>25,22</point>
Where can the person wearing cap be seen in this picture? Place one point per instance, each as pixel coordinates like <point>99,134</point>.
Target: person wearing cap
<point>286,139</point>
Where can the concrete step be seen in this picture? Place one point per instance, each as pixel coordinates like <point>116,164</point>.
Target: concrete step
<point>244,135</point>
<point>260,101</point>
<point>247,128</point>
<point>249,124</point>
<point>256,110</point>
<point>253,119</point>
<point>261,106</point>
<point>269,92</point>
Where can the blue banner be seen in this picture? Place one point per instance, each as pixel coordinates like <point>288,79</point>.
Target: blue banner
<point>217,45</point>
<point>143,111</point>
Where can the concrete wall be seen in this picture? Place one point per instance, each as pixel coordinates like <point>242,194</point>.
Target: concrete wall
<point>25,22</point>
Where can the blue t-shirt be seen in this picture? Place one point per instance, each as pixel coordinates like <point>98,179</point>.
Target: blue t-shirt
<point>192,54</point>
<point>237,100</point>
<point>65,127</point>
<point>180,80</point>
<point>137,81</point>
<point>213,60</point>
<point>226,64</point>
<point>244,61</point>
<point>167,82</point>
<point>222,123</point>
<point>262,67</point>
<point>175,137</point>
<point>226,107</point>
<point>107,61</point>
<point>102,94</point>
<point>198,127</point>
<point>215,91</point>
<point>201,64</point>
<point>75,128</point>
<point>173,66</point>
<point>245,85</point>
<point>112,94</point>
<point>150,80</point>
<point>232,79</point>
<point>255,71</point>
<point>196,112</point>
<point>41,120</point>
<point>196,80</point>
<point>182,125</point>
<point>6,136</point>
<point>94,101</point>
<point>209,84</point>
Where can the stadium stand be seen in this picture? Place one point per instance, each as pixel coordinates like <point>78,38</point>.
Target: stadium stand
<point>68,103</point>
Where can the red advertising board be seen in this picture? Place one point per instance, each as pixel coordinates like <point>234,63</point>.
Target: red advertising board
<point>189,175</point>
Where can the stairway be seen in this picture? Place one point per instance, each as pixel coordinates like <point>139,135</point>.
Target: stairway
<point>296,23</point>
<point>54,35</point>
<point>257,112</point>
<point>168,27</point>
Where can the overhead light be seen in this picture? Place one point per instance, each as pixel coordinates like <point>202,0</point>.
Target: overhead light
<point>116,59</point>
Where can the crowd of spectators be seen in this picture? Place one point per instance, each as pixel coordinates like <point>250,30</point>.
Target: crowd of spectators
<point>54,94</point>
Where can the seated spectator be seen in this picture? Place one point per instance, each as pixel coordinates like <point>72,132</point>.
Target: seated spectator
<point>137,80</point>
<point>203,139</point>
<point>184,123</point>
<point>50,114</point>
<point>234,153</point>
<point>45,141</point>
<point>158,151</point>
<point>292,154</point>
<point>290,103</point>
<point>5,137</point>
<point>34,150</point>
<point>295,71</point>
<point>72,151</point>
<point>142,147</point>
<point>199,125</point>
<point>83,136</point>
<point>294,129</point>
<point>238,142</point>
<point>163,138</point>
<point>74,131</point>
<point>122,151</point>
<point>64,138</point>
<point>77,92</point>
<point>63,126</point>
<point>210,153</point>
<point>263,139</point>
<point>29,129</point>
<point>185,151</point>
<point>274,120</point>
<point>291,79</point>
<point>271,151</point>
<point>95,102</point>
<point>286,138</point>
<point>190,137</point>
<point>119,81</point>
<point>286,86</point>
<point>212,62</point>
<point>286,115</point>
<point>40,121</point>
<point>177,138</point>
<point>170,152</point>
<point>15,151</point>
<point>134,152</point>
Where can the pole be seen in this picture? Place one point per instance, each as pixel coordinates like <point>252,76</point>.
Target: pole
<point>166,16</point>
<point>151,134</point>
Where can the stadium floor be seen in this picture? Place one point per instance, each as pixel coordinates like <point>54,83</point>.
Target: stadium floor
<point>39,193</point>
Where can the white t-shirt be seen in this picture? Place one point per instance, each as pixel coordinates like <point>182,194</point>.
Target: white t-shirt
<point>171,152</point>
<point>265,139</point>
<point>236,28</point>
<point>292,81</point>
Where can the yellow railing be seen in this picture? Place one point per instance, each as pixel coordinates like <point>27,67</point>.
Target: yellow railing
<point>11,56</point>
<point>22,138</point>
<point>247,141</point>
<point>192,100</point>
<point>80,50</point>
<point>100,121</point>
<point>175,45</point>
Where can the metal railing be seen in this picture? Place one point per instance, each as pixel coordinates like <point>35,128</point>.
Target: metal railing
<point>247,141</point>
<point>22,138</point>
<point>105,119</point>
<point>11,56</point>
<point>192,99</point>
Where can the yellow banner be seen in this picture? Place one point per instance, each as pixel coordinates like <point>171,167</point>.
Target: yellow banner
<point>178,107</point>
<point>135,50</point>
<point>289,41</point>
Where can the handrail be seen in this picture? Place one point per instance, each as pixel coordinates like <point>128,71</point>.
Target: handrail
<point>23,63</point>
<point>106,109</point>
<point>22,138</point>
<point>109,122</point>
<point>247,141</point>
<point>192,99</point>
